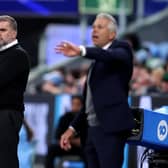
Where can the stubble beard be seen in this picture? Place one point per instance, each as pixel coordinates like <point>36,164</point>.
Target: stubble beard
<point>2,43</point>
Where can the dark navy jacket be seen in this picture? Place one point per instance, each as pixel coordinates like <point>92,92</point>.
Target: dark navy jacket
<point>109,83</point>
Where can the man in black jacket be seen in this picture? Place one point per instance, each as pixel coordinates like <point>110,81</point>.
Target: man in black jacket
<point>106,119</point>
<point>54,150</point>
<point>14,70</point>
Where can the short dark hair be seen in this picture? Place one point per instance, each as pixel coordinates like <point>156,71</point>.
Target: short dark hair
<point>134,39</point>
<point>11,20</point>
<point>77,96</point>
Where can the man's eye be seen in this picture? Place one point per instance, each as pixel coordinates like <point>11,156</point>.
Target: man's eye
<point>100,27</point>
<point>2,30</point>
<point>97,27</point>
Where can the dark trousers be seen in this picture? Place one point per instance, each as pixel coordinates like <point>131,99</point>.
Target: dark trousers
<point>104,150</point>
<point>10,124</point>
<point>54,150</point>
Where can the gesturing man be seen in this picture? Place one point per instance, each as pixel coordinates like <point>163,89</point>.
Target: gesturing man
<point>105,120</point>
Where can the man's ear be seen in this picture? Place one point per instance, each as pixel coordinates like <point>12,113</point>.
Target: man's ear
<point>14,34</point>
<point>112,35</point>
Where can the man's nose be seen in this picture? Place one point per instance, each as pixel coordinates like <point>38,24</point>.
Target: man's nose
<point>94,30</point>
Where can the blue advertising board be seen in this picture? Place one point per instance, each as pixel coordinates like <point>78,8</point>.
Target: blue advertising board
<point>155,130</point>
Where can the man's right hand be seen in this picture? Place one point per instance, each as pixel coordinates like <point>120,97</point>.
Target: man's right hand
<point>68,49</point>
<point>66,139</point>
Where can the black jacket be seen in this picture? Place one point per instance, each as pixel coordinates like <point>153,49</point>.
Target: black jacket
<point>14,70</point>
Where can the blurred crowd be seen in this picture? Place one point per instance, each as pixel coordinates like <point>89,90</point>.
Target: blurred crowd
<point>63,80</point>
<point>150,73</point>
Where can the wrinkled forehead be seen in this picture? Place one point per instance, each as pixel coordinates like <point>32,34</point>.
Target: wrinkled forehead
<point>4,23</point>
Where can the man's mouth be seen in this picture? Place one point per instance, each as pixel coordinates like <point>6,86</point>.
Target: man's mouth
<point>94,36</point>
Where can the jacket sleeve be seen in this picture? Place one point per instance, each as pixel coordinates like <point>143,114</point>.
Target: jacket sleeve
<point>79,122</point>
<point>121,53</point>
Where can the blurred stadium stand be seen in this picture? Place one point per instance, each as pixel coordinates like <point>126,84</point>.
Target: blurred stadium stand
<point>152,28</point>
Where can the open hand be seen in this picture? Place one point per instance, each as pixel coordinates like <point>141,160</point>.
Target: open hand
<point>68,49</point>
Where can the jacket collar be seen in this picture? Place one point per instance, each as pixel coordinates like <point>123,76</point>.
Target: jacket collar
<point>9,45</point>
